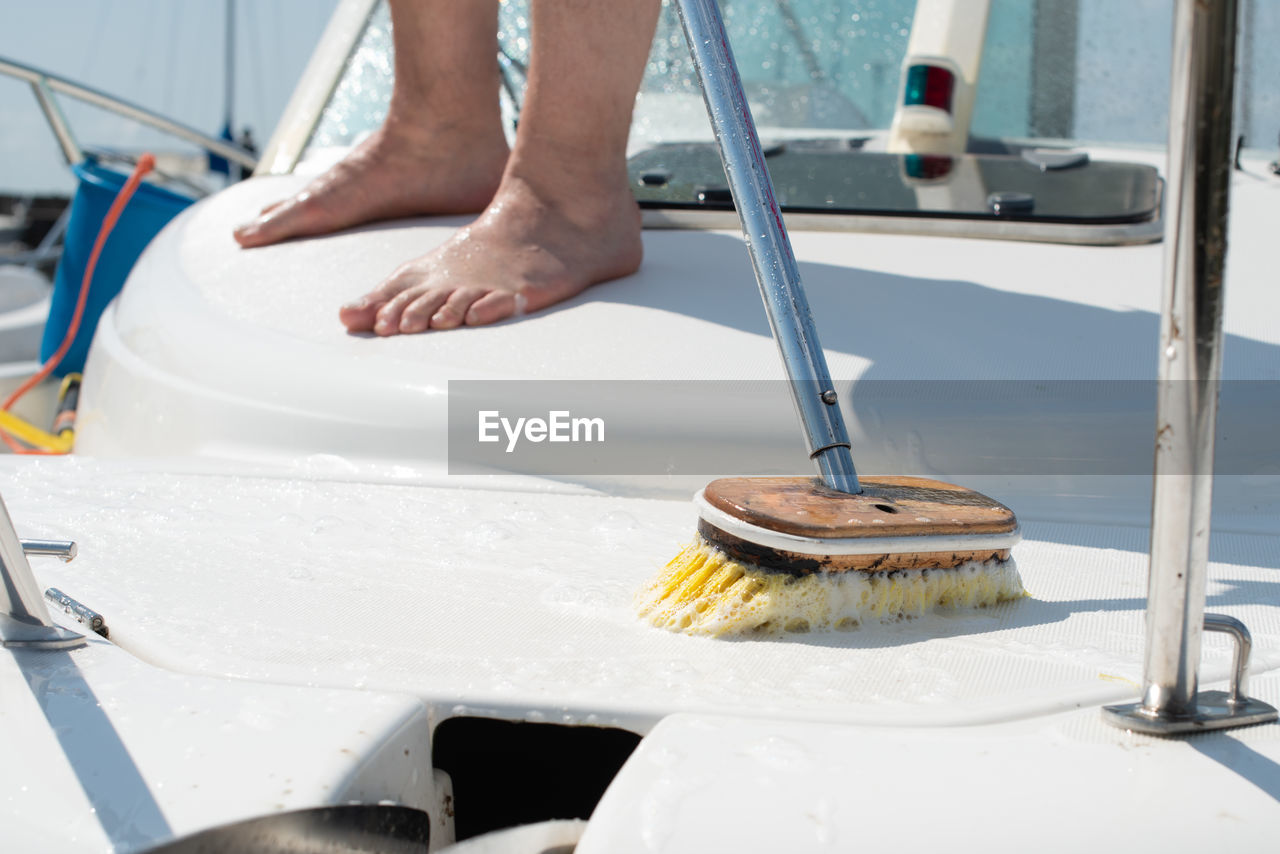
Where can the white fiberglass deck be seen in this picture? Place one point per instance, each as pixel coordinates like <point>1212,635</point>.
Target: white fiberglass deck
<point>518,604</point>
<point>519,601</point>
<point>1063,784</point>
<point>218,352</point>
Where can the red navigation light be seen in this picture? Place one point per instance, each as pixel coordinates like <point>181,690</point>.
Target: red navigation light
<point>930,86</point>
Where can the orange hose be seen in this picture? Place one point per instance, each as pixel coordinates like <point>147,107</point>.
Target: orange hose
<point>145,164</point>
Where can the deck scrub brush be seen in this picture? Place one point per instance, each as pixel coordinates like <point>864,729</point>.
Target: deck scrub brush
<point>798,553</point>
<point>776,555</point>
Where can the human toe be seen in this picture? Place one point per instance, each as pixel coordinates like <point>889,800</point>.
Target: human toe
<point>360,315</point>
<point>494,306</point>
<point>301,215</point>
<point>454,311</point>
<point>249,234</point>
<point>418,313</point>
<point>388,316</point>
<point>270,226</point>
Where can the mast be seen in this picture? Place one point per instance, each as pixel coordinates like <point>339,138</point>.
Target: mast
<point>229,71</point>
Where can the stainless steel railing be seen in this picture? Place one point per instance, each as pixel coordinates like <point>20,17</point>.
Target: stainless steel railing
<point>44,85</point>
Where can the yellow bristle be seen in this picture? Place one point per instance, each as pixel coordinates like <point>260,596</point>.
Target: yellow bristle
<point>704,591</point>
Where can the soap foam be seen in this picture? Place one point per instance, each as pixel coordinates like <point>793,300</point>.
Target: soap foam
<point>703,591</point>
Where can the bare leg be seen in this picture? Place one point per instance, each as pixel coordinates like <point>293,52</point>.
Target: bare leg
<point>563,217</point>
<point>441,149</point>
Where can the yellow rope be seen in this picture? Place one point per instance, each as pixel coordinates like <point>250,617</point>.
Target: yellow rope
<point>34,436</point>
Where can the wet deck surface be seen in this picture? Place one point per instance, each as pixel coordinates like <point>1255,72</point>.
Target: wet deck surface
<point>520,603</point>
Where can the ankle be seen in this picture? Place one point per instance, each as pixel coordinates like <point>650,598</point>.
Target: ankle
<point>573,184</point>
<point>479,131</point>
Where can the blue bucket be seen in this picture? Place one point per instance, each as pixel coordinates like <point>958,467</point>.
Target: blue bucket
<point>147,212</point>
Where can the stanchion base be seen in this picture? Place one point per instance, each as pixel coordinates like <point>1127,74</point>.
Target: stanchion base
<point>17,634</point>
<point>1214,710</point>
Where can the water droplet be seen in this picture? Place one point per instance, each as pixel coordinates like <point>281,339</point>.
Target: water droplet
<point>491,532</point>
<point>616,522</point>
<point>328,525</point>
<point>781,753</point>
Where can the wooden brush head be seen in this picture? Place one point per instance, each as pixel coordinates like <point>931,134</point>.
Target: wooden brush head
<point>914,513</point>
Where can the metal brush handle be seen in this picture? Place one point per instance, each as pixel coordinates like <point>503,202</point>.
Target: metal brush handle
<point>766,236</point>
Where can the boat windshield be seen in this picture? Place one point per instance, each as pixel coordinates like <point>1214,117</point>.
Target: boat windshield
<point>809,66</point>
<point>828,81</point>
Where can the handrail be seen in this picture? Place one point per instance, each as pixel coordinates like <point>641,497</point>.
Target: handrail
<point>43,83</point>
<point>71,150</point>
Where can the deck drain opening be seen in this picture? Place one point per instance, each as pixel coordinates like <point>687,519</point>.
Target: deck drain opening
<point>885,507</point>
<point>508,773</point>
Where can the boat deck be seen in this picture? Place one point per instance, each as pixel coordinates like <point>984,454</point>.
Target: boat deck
<point>265,597</point>
<point>518,604</point>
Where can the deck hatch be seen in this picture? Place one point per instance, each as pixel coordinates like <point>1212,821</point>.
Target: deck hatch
<point>834,177</point>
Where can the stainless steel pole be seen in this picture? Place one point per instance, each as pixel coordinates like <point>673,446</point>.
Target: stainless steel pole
<point>1199,175</point>
<point>1200,156</point>
<point>24,619</point>
<point>229,67</point>
<point>766,236</point>
<point>71,151</point>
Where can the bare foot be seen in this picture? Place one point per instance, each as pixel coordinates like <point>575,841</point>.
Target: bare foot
<point>398,171</point>
<point>531,248</point>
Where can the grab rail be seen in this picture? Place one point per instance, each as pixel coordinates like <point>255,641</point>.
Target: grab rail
<point>44,84</point>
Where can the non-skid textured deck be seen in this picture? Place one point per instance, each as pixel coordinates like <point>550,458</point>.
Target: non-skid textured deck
<point>521,603</point>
